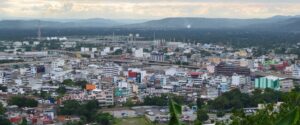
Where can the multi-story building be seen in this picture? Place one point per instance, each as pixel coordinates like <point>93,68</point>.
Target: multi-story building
<point>110,70</point>
<point>5,77</point>
<point>230,69</point>
<point>237,80</point>
<point>268,82</point>
<point>296,71</point>
<point>104,97</point>
<point>157,56</point>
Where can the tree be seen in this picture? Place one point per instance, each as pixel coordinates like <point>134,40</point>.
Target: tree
<point>70,107</point>
<point>61,90</point>
<point>202,115</point>
<point>3,88</point>
<point>118,52</point>
<point>220,113</point>
<point>105,119</point>
<point>68,82</point>
<point>4,121</point>
<point>74,123</point>
<point>81,83</point>
<point>22,101</point>
<point>44,94</point>
<point>175,110</point>
<point>288,113</point>
<point>2,109</point>
<point>24,121</point>
<point>200,103</point>
<point>86,111</point>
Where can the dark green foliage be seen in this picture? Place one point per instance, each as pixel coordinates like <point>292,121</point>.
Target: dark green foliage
<point>24,122</point>
<point>2,109</point>
<point>4,121</point>
<point>81,83</point>
<point>104,119</point>
<point>74,123</point>
<point>175,110</point>
<point>220,113</point>
<point>200,103</point>
<point>70,107</point>
<point>234,99</point>
<point>61,90</point>
<point>118,52</point>
<point>162,100</point>
<point>10,61</point>
<point>3,88</point>
<point>202,115</point>
<point>68,82</point>
<point>87,111</point>
<point>288,113</point>
<point>22,101</point>
<point>44,94</point>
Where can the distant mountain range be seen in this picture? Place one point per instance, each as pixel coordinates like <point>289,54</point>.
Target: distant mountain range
<point>97,22</point>
<point>289,23</point>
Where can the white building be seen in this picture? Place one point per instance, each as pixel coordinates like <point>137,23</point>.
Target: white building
<point>296,71</point>
<point>36,43</point>
<point>69,44</point>
<point>237,80</point>
<point>94,49</point>
<point>58,63</point>
<point>139,53</point>
<point>110,70</point>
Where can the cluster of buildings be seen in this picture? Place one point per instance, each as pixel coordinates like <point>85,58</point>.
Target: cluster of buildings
<point>143,68</point>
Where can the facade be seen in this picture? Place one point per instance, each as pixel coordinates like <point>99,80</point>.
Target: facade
<point>296,71</point>
<point>110,70</point>
<point>139,53</point>
<point>286,85</point>
<point>57,63</point>
<point>157,56</point>
<point>237,80</point>
<point>268,82</point>
<point>229,70</point>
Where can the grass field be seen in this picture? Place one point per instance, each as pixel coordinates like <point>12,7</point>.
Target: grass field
<point>133,121</point>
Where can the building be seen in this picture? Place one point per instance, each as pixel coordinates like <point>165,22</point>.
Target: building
<point>5,77</point>
<point>110,70</point>
<point>268,82</point>
<point>286,85</point>
<point>104,97</point>
<point>157,56</point>
<point>139,53</point>
<point>69,44</point>
<point>296,71</point>
<point>58,63</point>
<point>230,69</point>
<point>237,80</point>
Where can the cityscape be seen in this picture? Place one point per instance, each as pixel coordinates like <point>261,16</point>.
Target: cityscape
<point>127,66</point>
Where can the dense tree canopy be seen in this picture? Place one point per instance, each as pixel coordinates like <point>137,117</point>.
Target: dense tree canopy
<point>234,99</point>
<point>162,100</point>
<point>22,101</point>
<point>88,111</point>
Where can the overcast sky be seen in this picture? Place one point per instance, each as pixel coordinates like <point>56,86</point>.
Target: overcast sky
<point>146,9</point>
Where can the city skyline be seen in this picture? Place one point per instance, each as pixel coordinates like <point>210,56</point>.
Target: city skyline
<point>145,9</point>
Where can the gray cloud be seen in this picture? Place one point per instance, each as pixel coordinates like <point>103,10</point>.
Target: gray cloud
<point>146,9</point>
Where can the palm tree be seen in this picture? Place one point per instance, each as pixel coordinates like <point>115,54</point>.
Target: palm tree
<point>175,111</point>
